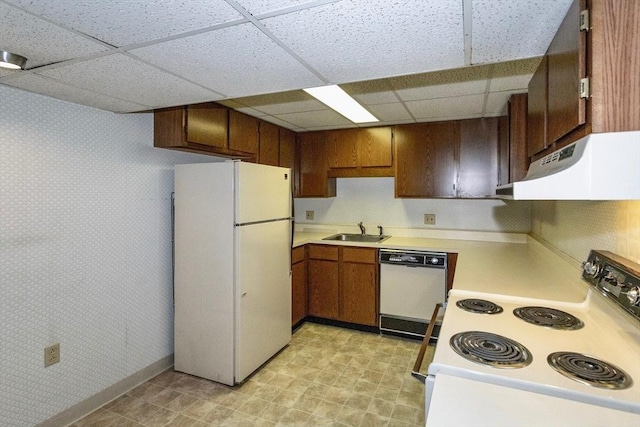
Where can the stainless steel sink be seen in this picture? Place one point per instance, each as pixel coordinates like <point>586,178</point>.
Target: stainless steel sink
<point>348,237</point>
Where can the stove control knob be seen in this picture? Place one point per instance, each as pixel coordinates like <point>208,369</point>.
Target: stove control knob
<point>590,268</point>
<point>633,295</point>
<point>433,260</point>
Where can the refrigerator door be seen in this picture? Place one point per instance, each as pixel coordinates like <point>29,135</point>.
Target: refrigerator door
<point>263,192</point>
<point>263,287</point>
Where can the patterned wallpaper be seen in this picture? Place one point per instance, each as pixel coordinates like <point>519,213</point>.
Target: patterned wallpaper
<point>371,200</point>
<point>576,227</point>
<point>85,251</point>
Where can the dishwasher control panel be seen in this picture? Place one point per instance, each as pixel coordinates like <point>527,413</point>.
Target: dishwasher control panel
<point>413,258</point>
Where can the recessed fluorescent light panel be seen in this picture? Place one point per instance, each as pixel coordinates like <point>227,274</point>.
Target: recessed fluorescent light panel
<point>336,98</point>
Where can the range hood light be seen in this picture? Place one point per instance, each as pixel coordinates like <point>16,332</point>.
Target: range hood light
<point>12,60</point>
<point>337,99</point>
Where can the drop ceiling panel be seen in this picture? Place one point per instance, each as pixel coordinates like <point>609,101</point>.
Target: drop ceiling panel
<point>124,22</point>
<point>513,75</point>
<point>310,119</point>
<point>282,102</point>
<point>55,89</point>
<point>40,41</point>
<point>257,7</point>
<point>341,40</point>
<point>235,61</point>
<point>128,79</point>
<point>497,103</point>
<point>284,124</point>
<point>441,84</point>
<point>390,112</point>
<point>371,92</point>
<point>445,108</point>
<point>516,29</point>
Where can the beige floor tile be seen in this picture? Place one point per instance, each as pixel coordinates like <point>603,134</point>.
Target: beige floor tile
<point>184,421</point>
<point>405,414</point>
<point>327,409</point>
<point>294,417</point>
<point>374,420</point>
<point>273,412</point>
<point>381,407</point>
<point>350,416</point>
<point>326,376</point>
<point>217,415</point>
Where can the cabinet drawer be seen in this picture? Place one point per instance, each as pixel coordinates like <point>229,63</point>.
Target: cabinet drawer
<point>360,255</point>
<point>297,254</point>
<point>323,252</point>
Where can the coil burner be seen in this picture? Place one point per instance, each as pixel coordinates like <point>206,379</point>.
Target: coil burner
<point>588,370</point>
<point>490,349</point>
<point>548,317</point>
<point>479,306</point>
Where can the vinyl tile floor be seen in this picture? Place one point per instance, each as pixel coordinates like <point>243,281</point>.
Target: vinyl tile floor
<point>327,376</point>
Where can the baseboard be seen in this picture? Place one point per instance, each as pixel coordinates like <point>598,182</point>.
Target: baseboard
<point>87,406</point>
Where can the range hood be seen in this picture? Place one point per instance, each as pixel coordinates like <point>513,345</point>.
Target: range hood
<point>600,166</point>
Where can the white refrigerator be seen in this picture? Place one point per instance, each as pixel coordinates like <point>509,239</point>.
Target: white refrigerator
<point>232,268</point>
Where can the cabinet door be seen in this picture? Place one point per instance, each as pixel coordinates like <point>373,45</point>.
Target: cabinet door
<point>313,174</point>
<point>243,132</point>
<point>298,292</point>
<point>425,162</point>
<point>287,157</point>
<point>323,288</point>
<point>359,286</point>
<point>207,124</point>
<point>518,158</point>
<point>342,148</point>
<point>478,158</point>
<point>358,299</point>
<point>375,147</point>
<point>269,144</point>
<point>566,66</point>
<point>503,150</point>
<point>537,111</point>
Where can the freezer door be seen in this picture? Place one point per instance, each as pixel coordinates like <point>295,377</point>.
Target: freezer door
<point>263,294</point>
<point>263,192</point>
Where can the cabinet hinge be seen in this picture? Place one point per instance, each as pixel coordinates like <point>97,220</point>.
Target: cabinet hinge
<point>584,87</point>
<point>584,20</point>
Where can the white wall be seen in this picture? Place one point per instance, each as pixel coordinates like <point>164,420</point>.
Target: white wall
<point>575,227</point>
<point>85,251</point>
<point>372,201</point>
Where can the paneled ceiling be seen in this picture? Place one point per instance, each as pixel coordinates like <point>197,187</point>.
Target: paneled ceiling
<point>404,60</point>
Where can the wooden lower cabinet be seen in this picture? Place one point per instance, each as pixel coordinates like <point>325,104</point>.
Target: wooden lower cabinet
<point>298,285</point>
<point>343,283</point>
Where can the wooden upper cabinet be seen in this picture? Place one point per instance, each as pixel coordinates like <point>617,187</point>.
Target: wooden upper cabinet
<point>375,147</point>
<point>207,124</point>
<point>518,157</point>
<point>478,158</point>
<point>537,110</point>
<point>313,178</point>
<point>269,145</point>
<point>342,148</point>
<point>425,159</point>
<point>566,67</point>
<point>614,43</point>
<point>243,132</point>
<point>503,150</point>
<point>287,156</point>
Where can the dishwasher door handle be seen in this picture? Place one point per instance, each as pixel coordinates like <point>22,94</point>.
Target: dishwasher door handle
<point>425,342</point>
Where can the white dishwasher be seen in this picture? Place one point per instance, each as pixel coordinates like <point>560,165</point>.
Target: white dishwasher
<point>411,284</point>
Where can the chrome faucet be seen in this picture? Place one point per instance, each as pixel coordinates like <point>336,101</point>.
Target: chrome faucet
<point>362,229</point>
<point>380,228</point>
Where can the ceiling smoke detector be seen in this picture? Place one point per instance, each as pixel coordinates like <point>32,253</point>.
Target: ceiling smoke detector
<point>12,61</point>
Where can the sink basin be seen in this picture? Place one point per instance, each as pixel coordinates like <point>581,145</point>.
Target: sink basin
<point>347,237</point>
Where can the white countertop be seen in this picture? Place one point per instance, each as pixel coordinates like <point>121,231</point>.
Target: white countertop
<point>528,269</point>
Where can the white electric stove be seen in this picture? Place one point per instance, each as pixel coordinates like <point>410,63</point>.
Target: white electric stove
<point>564,363</point>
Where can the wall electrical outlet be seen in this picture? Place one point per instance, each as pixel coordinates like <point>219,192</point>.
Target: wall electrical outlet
<point>310,215</point>
<point>51,354</point>
<point>430,219</point>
